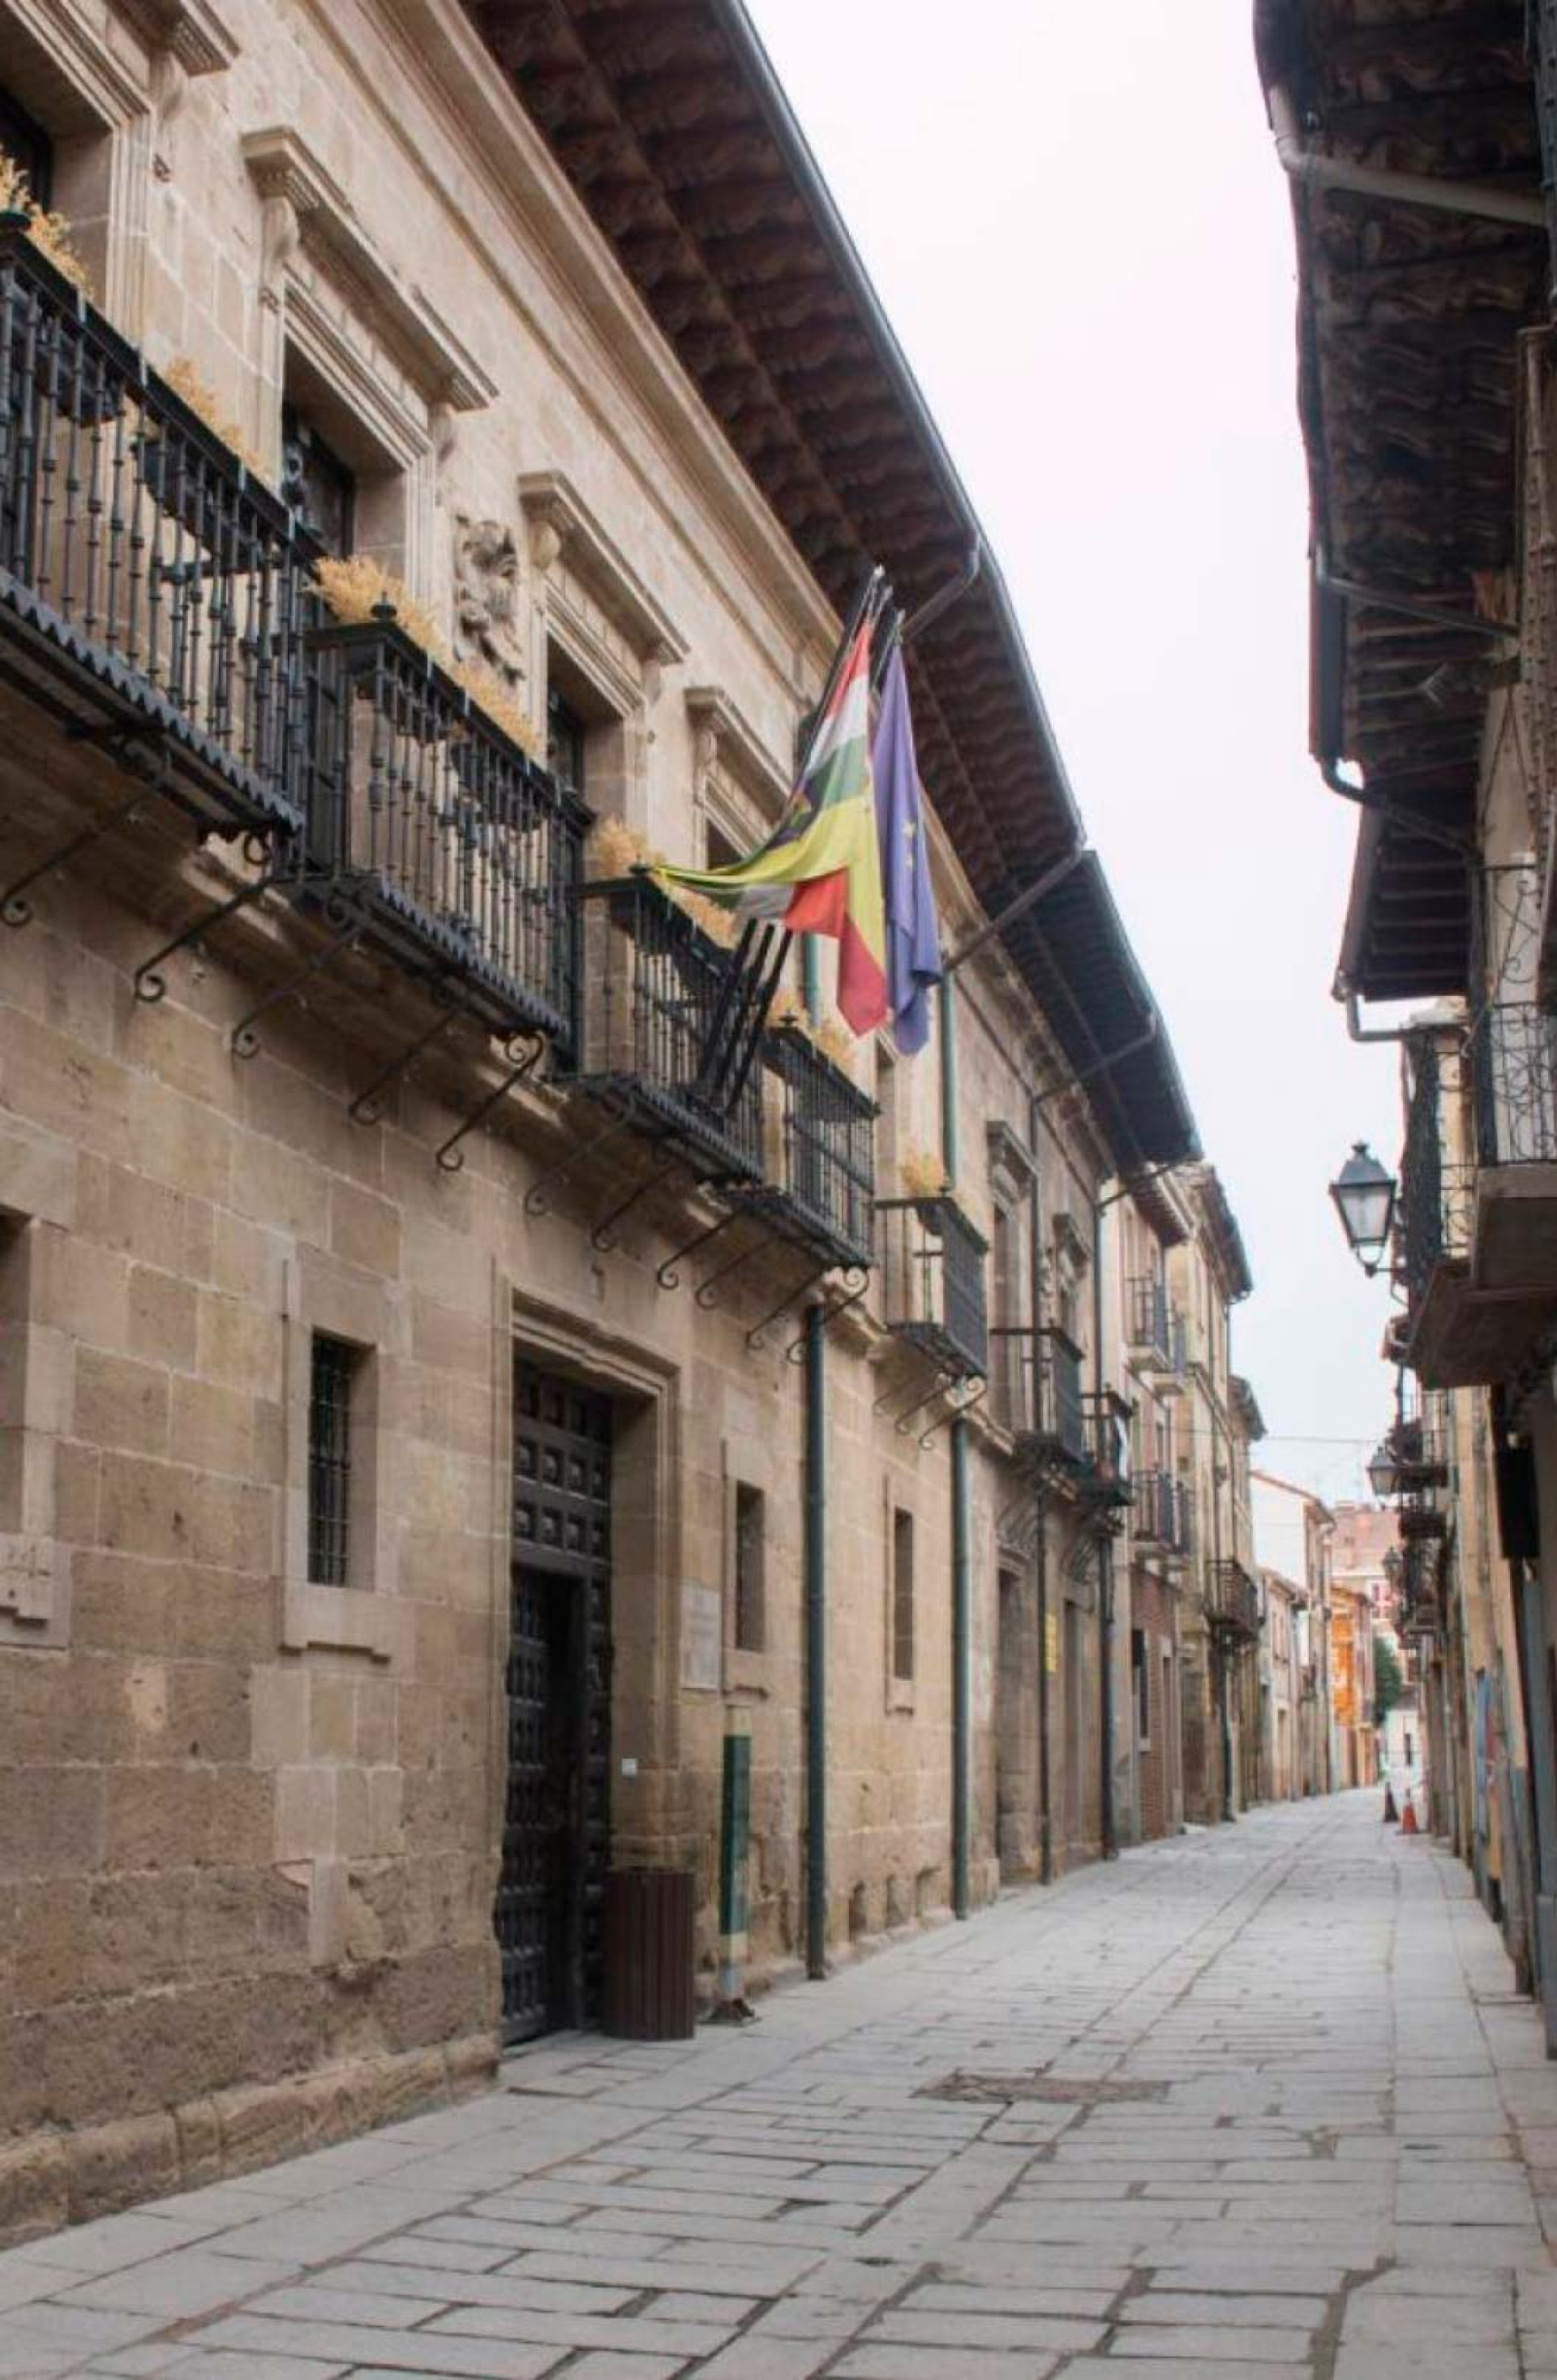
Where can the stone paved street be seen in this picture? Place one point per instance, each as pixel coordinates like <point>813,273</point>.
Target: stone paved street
<point>1285,2111</point>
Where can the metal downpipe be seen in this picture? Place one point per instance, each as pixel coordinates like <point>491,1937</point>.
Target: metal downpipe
<point>815,1646</point>
<point>961,1670</point>
<point>1107,1831</point>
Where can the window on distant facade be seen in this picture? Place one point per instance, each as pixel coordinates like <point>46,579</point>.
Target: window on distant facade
<point>751,1545</point>
<point>334,1370</point>
<point>902,1596</point>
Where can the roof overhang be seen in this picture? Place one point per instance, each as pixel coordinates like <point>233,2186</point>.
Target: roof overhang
<point>669,123</point>
<point>1410,319</point>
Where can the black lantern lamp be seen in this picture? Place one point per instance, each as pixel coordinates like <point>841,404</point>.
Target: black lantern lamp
<point>1364,1196</point>
<point>1383,1473</point>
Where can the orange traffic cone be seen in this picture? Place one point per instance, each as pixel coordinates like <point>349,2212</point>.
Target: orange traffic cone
<point>1391,1815</point>
<point>1408,1818</point>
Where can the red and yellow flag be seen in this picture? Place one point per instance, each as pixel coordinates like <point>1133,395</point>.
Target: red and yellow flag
<point>819,872</point>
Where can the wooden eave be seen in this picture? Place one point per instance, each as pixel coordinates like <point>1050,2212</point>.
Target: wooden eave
<point>669,123</point>
<point>1409,325</point>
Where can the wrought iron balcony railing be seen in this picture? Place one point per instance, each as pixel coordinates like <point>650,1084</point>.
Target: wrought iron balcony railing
<point>1061,1432</point>
<point>1161,1512</point>
<point>1232,1603</point>
<point>1514,1081</point>
<point>1436,1191</point>
<point>656,995</point>
<point>460,853</point>
<point>826,1185</point>
<point>933,1282</point>
<point>148,584</point>
<point>1151,1326</point>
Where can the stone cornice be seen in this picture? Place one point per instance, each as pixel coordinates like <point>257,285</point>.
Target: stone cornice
<point>562,528</point>
<point>285,170</point>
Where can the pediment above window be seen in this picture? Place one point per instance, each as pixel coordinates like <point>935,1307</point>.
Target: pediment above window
<point>589,576</point>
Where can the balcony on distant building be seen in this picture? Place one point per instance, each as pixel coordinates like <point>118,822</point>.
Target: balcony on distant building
<point>932,1263</point>
<point>1065,1437</point>
<point>823,1193</point>
<point>1232,1607</point>
<point>1160,1523</point>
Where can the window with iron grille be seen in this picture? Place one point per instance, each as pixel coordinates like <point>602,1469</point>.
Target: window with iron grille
<point>751,1541</point>
<point>902,1596</point>
<point>333,1368</point>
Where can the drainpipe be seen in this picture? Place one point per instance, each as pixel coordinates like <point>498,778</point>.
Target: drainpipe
<point>816,1647</point>
<point>1040,1512</point>
<point>962,1516</point>
<point>1311,170</point>
<point>1106,1830</point>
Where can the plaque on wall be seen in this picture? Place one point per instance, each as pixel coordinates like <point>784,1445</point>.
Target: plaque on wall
<point>702,1637</point>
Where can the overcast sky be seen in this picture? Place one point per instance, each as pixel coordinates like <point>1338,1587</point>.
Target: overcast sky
<point>1076,221</point>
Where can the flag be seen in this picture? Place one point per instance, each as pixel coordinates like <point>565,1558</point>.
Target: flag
<point>819,872</point>
<point>913,944</point>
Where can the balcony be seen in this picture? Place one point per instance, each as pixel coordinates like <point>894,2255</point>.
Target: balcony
<point>933,1282</point>
<point>1232,1607</point>
<point>824,1195</point>
<point>657,1025</point>
<point>1478,1241</point>
<point>150,589</point>
<point>1154,1327</point>
<point>1162,1514</point>
<point>461,855</point>
<point>1060,1433</point>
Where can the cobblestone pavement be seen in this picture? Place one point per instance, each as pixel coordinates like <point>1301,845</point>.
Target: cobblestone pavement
<point>1283,2111</point>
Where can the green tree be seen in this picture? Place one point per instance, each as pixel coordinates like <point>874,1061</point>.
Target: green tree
<point>1388,1683</point>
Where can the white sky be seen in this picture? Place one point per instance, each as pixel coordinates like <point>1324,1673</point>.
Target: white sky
<point>1076,221</point>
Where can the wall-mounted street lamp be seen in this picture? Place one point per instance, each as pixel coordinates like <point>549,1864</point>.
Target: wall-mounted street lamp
<point>1383,1473</point>
<point>1364,1196</point>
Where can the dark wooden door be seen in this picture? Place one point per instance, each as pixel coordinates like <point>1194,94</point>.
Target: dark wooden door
<point>557,1818</point>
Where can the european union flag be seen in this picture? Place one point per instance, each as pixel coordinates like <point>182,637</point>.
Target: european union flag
<point>913,944</point>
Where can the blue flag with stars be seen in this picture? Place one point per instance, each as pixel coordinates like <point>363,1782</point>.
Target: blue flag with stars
<point>913,942</point>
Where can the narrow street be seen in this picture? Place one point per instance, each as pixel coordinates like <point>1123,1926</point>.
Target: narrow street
<point>1258,2098</point>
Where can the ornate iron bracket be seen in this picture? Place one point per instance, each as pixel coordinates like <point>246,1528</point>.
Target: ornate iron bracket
<point>151,984</point>
<point>757,1336</point>
<point>667,1276</point>
<point>705,1294</point>
<point>602,1235</point>
<point>903,1422</point>
<point>15,909</point>
<point>795,1352</point>
<point>955,1410</point>
<point>368,1107</point>
<point>536,1199</point>
<point>522,1052</point>
<point>349,924</point>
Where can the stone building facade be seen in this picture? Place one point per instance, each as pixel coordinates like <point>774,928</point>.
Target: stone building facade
<point>446,1395</point>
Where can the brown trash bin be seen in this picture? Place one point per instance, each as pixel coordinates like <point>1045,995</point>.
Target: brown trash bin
<point>649,1993</point>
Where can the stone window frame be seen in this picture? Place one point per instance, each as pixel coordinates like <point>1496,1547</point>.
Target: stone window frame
<point>37,1191</point>
<point>111,119</point>
<point>749,1670</point>
<point>323,1296</point>
<point>739,789</point>
<point>589,606</point>
<point>319,263</point>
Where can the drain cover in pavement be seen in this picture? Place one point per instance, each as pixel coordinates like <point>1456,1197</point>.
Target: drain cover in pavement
<point>1002,2090</point>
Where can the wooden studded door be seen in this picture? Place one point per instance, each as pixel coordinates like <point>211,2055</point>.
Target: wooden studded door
<point>557,1817</point>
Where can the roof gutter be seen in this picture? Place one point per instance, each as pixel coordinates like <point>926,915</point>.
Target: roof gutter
<point>1313,169</point>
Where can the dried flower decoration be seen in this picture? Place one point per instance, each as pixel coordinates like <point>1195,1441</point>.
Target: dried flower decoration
<point>202,401</point>
<point>51,233</point>
<point>923,1176</point>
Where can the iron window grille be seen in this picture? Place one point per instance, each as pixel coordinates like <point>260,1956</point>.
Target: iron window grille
<point>334,1367</point>
<point>146,579</point>
<point>1161,1511</point>
<point>903,1598</point>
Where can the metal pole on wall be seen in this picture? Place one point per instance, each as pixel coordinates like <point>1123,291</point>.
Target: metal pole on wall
<point>815,1646</point>
<point>961,1670</point>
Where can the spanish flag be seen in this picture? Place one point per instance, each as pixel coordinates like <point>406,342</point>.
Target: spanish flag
<point>819,872</point>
